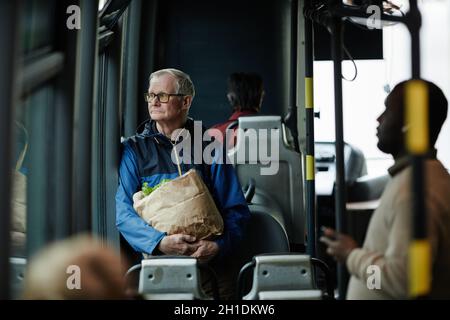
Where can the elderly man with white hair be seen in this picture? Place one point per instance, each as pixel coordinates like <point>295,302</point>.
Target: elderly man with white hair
<point>147,158</point>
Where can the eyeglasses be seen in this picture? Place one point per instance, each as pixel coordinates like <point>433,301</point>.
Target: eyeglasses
<point>162,96</point>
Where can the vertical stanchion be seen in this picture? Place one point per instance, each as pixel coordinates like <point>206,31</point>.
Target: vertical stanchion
<point>340,194</point>
<point>84,100</point>
<point>417,144</point>
<point>310,167</point>
<point>291,118</point>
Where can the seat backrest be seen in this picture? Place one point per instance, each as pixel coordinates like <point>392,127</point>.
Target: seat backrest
<point>283,276</point>
<point>163,278</point>
<point>325,155</point>
<point>264,234</point>
<point>18,268</point>
<point>263,154</point>
<point>367,188</point>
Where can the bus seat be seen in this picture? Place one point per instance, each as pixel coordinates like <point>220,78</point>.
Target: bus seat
<point>264,234</point>
<point>170,278</point>
<point>263,202</point>
<point>325,154</point>
<point>367,188</point>
<point>18,268</point>
<point>285,186</point>
<point>281,277</point>
<point>355,163</point>
<point>363,199</point>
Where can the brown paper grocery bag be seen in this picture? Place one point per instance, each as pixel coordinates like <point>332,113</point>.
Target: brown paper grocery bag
<point>183,205</point>
<point>19,202</point>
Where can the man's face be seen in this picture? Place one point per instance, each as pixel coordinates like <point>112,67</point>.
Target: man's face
<point>389,131</point>
<point>168,112</point>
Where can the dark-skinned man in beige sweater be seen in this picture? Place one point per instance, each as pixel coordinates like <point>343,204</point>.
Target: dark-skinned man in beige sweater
<point>390,229</point>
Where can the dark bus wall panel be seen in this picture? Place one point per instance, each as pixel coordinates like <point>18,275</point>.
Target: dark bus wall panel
<point>361,43</point>
<point>146,55</point>
<point>131,98</point>
<point>211,39</point>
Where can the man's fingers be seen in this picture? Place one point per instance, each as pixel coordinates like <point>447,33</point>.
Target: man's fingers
<point>194,248</point>
<point>197,253</point>
<point>326,240</point>
<point>188,238</point>
<point>329,232</point>
<point>330,251</point>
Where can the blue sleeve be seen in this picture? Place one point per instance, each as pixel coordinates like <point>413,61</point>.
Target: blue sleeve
<point>235,212</point>
<point>140,235</point>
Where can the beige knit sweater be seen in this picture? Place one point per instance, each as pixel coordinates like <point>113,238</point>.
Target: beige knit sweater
<point>389,233</point>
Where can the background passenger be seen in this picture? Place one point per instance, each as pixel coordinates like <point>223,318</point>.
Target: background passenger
<point>245,94</point>
<point>389,232</point>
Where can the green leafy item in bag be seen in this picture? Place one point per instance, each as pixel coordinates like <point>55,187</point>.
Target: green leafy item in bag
<point>146,189</point>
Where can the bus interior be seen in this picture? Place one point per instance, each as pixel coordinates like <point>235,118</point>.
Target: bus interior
<point>72,90</point>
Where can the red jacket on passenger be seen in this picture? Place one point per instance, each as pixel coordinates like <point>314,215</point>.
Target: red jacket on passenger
<point>223,126</point>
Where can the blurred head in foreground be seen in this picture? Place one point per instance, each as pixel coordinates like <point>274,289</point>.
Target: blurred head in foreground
<point>76,268</point>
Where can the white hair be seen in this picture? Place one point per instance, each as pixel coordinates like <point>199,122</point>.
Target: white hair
<point>183,84</point>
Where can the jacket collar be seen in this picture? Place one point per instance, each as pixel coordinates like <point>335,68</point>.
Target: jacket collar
<point>238,114</point>
<point>403,162</point>
<point>150,130</point>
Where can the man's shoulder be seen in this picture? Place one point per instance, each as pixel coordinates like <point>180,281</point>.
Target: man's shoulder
<point>436,175</point>
<point>437,167</point>
<point>135,139</point>
<point>438,178</point>
<point>139,144</point>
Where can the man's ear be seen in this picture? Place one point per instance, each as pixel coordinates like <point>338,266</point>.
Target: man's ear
<point>187,100</point>
<point>231,98</point>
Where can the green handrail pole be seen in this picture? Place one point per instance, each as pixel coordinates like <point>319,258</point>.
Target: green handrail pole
<point>291,118</point>
<point>310,160</point>
<point>340,194</point>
